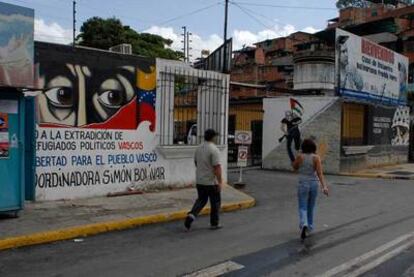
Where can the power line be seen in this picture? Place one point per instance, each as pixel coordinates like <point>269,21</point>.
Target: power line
<point>244,10</point>
<point>270,20</point>
<point>284,6</point>
<point>188,14</point>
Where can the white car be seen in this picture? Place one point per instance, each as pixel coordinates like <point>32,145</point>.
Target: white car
<point>192,135</point>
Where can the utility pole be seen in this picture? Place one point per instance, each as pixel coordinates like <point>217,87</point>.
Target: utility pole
<point>226,11</point>
<point>184,41</point>
<point>74,22</point>
<point>188,46</point>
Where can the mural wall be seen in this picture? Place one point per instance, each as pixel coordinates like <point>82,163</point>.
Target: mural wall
<point>16,46</point>
<point>287,121</point>
<point>96,123</point>
<point>389,126</point>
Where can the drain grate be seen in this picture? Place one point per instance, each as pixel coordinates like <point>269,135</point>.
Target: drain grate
<point>401,173</point>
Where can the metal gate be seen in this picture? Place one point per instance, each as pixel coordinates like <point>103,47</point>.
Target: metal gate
<point>246,115</point>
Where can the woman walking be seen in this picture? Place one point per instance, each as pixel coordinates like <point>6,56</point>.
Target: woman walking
<point>309,166</point>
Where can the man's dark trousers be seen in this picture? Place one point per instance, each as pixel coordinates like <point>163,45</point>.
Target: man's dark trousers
<point>205,193</point>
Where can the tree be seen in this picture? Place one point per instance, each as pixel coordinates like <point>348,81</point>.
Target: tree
<point>105,33</point>
<point>342,4</point>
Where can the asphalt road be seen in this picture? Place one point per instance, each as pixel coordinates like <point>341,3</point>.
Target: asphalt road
<point>359,216</point>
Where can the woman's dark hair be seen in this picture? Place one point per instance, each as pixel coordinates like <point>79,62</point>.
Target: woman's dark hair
<point>308,146</point>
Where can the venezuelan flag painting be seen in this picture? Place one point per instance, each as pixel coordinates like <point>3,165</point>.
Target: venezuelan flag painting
<point>146,83</point>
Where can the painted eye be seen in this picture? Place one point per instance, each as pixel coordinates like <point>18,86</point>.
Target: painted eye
<point>60,96</point>
<point>112,98</point>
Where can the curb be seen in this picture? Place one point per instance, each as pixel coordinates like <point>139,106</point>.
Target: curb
<point>108,226</point>
<point>378,176</point>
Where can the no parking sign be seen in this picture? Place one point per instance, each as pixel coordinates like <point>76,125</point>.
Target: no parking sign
<point>242,156</point>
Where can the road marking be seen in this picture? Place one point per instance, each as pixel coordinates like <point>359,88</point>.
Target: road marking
<point>365,268</point>
<point>358,260</point>
<point>217,270</point>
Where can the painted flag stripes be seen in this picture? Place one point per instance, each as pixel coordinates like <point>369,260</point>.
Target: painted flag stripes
<point>296,107</point>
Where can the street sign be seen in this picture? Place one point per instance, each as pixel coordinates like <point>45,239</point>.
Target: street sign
<point>242,156</point>
<point>243,137</point>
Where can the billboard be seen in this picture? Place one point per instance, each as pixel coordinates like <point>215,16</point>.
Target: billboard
<point>370,72</point>
<point>16,46</point>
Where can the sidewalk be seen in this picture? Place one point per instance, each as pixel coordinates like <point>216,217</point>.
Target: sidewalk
<point>401,171</point>
<point>60,220</point>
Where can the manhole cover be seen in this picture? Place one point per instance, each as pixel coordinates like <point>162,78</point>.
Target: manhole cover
<point>401,173</point>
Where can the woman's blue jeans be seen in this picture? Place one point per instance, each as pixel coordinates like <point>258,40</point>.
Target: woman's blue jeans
<point>307,193</point>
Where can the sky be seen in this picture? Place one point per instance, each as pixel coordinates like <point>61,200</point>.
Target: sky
<point>250,21</point>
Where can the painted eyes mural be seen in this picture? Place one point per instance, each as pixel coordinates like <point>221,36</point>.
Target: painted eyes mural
<point>88,95</point>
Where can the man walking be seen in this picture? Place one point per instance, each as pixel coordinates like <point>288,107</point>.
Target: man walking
<point>290,127</point>
<point>209,180</point>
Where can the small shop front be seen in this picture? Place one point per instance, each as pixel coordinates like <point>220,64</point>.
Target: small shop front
<point>16,110</point>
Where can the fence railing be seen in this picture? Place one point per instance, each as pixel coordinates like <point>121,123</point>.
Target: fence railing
<point>190,102</point>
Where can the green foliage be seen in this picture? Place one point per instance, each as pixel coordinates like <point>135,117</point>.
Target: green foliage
<point>104,33</point>
<point>341,4</point>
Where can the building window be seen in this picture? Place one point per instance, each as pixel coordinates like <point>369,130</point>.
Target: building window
<point>191,101</point>
<point>353,124</point>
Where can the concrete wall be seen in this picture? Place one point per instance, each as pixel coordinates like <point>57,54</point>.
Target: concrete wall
<point>377,156</point>
<point>321,120</point>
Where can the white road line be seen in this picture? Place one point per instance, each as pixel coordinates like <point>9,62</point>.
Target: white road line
<point>365,268</point>
<point>216,270</point>
<point>366,256</point>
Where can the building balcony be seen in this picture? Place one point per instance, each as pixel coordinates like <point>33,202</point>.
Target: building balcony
<point>327,55</point>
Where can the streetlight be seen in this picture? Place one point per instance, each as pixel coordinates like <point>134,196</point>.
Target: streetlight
<point>340,40</point>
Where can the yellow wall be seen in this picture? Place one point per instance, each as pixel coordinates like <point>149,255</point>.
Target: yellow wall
<point>245,114</point>
<point>185,114</point>
<point>353,121</point>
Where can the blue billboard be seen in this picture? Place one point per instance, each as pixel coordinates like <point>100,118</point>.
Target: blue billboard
<point>16,46</point>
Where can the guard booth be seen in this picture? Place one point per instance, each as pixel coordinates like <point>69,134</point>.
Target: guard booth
<point>16,120</point>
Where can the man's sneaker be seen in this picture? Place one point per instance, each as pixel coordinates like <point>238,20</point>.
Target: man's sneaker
<point>188,220</point>
<point>304,233</point>
<point>216,227</point>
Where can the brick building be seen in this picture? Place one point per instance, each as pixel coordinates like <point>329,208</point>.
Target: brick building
<point>268,65</point>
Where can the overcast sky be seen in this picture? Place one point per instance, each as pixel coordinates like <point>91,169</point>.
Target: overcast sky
<point>249,20</point>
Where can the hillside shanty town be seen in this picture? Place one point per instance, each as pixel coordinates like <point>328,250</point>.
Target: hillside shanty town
<point>207,138</point>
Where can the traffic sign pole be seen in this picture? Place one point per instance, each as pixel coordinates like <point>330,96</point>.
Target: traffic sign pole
<point>241,175</point>
<point>243,138</point>
<point>242,154</point>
